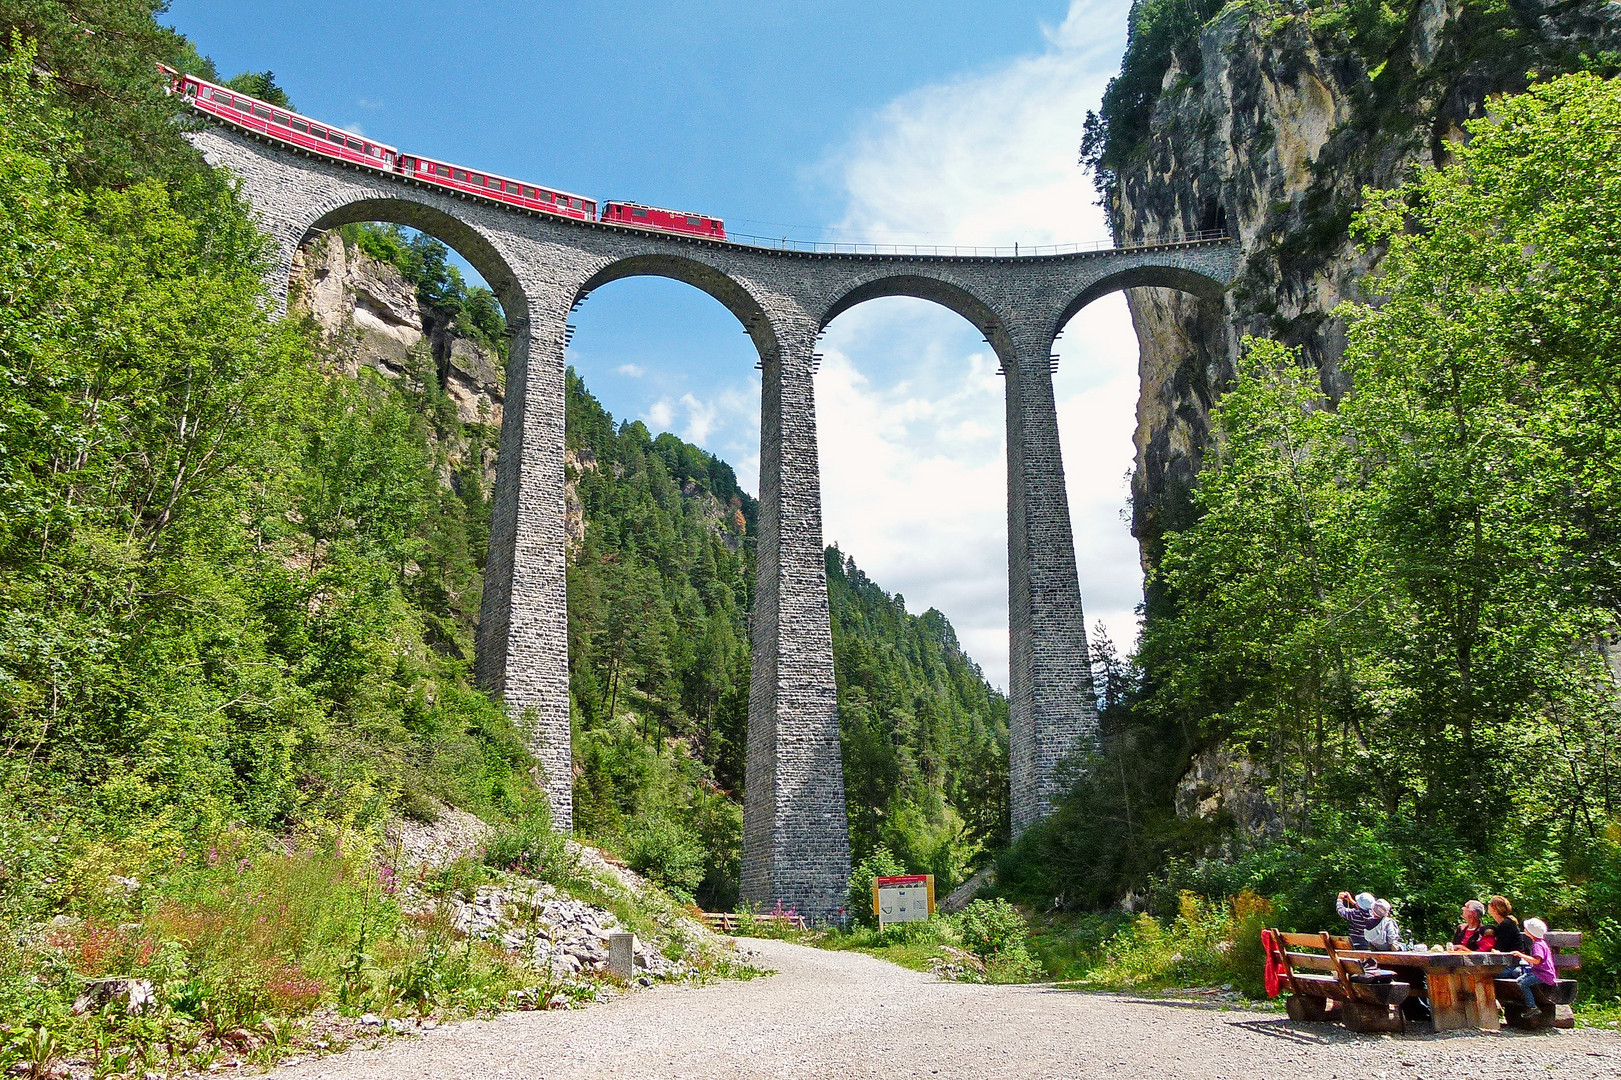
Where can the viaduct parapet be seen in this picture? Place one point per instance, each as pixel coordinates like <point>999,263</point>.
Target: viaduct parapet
<point>795,833</point>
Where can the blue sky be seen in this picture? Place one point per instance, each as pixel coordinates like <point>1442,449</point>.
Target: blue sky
<point>893,122</point>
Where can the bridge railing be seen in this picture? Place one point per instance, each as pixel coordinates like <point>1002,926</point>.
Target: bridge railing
<point>785,243</point>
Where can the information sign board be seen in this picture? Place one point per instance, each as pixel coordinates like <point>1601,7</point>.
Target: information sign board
<point>909,898</point>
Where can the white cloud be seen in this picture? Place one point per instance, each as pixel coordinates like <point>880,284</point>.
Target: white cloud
<point>700,419</point>
<point>659,414</point>
<point>631,371</point>
<point>910,408</point>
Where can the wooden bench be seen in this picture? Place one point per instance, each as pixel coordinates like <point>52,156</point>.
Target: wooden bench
<point>1323,985</point>
<point>1553,1002</point>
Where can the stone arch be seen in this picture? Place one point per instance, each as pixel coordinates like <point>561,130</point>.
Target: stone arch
<point>938,290</point>
<point>467,241</point>
<point>732,294</point>
<point>1182,279</point>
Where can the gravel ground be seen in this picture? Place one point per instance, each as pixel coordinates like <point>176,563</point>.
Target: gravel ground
<point>834,1015</point>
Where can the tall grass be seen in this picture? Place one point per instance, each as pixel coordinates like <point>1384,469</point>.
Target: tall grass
<point>1207,943</point>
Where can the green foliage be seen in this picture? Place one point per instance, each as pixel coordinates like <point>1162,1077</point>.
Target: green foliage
<point>878,863</point>
<point>231,589</point>
<point>920,946</point>
<point>1207,942</point>
<point>1115,828</point>
<point>528,845</point>
<point>101,56</point>
<point>994,931</point>
<point>261,85</point>
<point>670,853</point>
<point>924,735</point>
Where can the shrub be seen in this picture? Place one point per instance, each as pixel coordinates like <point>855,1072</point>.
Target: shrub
<point>994,931</point>
<point>669,853</point>
<point>1208,942</point>
<point>881,863</point>
<point>528,846</point>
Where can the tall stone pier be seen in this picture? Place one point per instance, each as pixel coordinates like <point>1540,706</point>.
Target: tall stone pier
<point>795,834</point>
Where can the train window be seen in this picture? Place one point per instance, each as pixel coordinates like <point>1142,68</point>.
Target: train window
<point>531,193</point>
<point>639,212</point>
<point>694,221</point>
<point>335,136</point>
<point>318,131</point>
<point>280,118</point>
<point>577,204</point>
<point>262,111</point>
<point>301,125</point>
<point>442,170</point>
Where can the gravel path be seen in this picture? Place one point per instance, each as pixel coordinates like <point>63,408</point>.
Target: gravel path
<point>835,1015</point>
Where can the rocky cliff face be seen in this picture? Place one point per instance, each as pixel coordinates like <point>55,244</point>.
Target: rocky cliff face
<point>372,318</point>
<point>1270,125</point>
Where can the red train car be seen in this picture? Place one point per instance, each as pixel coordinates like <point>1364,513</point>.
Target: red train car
<point>500,188</point>
<point>289,127</point>
<point>653,217</point>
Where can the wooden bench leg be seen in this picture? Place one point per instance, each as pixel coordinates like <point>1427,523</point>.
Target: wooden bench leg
<point>1360,1016</point>
<point>1302,1008</point>
<point>1450,1002</point>
<point>1480,1002</point>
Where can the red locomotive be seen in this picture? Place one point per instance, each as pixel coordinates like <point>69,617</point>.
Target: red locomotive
<point>301,131</point>
<point>651,217</point>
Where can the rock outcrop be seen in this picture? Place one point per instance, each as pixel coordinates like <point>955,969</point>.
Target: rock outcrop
<point>1270,126</point>
<point>373,318</point>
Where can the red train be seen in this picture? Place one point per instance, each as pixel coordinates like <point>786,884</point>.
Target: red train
<point>652,217</point>
<point>308,134</point>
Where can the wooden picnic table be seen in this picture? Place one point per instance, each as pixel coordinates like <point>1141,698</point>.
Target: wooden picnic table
<point>1460,990</point>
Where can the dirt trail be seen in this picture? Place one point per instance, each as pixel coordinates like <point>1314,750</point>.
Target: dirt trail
<point>834,1015</point>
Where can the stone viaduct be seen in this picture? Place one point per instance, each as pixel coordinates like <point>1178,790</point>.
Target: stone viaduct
<point>796,840</point>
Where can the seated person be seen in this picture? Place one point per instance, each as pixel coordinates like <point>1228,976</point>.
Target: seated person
<point>1471,933</point>
<point>1506,933</point>
<point>1359,913</point>
<point>1384,935</point>
<point>1536,966</point>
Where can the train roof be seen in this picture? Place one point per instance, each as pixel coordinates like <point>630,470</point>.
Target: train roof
<point>665,209</point>
<point>289,112</point>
